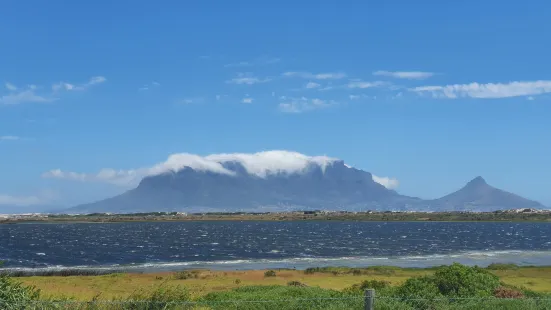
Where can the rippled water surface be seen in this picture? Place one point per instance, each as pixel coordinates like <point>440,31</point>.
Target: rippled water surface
<point>230,244</point>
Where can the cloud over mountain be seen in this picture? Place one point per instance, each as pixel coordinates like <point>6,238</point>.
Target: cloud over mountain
<point>259,164</point>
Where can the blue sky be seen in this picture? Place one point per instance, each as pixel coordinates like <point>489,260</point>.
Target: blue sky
<point>431,93</point>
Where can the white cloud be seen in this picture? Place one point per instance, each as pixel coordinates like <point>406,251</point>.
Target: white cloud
<point>247,78</point>
<point>390,183</point>
<point>23,96</point>
<point>316,76</point>
<point>117,177</point>
<point>96,80</point>
<point>247,100</point>
<point>12,138</point>
<point>410,75</point>
<point>259,164</point>
<point>311,85</point>
<point>22,201</point>
<point>65,86</point>
<point>485,91</point>
<point>303,104</point>
<point>354,97</point>
<point>363,85</point>
<point>10,87</point>
<point>530,98</point>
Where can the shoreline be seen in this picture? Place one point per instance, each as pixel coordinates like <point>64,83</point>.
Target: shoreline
<point>481,258</point>
<point>369,216</point>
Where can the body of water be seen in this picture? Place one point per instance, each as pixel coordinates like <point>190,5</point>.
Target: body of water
<point>256,245</point>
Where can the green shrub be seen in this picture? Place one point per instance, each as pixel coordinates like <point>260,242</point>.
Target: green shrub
<point>463,281</point>
<point>270,273</point>
<point>296,283</point>
<point>310,270</point>
<point>419,287</point>
<point>377,285</point>
<point>184,275</point>
<point>13,294</point>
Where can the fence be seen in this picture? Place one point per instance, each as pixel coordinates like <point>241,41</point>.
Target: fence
<point>367,302</point>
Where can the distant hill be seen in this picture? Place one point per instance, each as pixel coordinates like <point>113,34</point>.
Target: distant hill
<point>282,181</point>
<point>477,195</point>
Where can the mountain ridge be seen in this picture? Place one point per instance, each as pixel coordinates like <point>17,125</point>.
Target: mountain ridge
<point>330,185</point>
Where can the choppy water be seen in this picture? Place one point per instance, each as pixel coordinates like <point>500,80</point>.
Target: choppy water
<point>242,245</point>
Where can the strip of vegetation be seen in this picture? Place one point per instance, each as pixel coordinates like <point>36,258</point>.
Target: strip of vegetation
<point>454,287</point>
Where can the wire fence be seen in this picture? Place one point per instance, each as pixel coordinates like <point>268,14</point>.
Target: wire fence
<point>367,302</point>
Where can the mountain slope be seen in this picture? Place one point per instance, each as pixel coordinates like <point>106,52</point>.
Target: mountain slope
<point>331,186</point>
<point>478,195</point>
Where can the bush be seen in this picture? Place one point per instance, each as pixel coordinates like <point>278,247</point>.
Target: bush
<point>368,284</point>
<point>14,293</point>
<point>184,275</point>
<point>419,287</point>
<point>270,273</point>
<point>296,283</point>
<point>463,281</point>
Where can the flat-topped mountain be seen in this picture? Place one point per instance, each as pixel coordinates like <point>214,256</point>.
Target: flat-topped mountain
<point>238,187</point>
<point>479,196</point>
<point>282,181</point>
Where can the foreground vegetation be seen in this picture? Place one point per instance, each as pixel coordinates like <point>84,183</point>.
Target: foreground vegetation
<point>497,216</point>
<point>448,287</point>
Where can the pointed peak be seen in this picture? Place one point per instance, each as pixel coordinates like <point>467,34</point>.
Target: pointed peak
<point>477,181</point>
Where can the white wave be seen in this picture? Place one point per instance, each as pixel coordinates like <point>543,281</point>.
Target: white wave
<point>480,258</point>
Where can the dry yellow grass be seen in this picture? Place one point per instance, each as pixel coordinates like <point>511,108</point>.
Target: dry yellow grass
<point>122,285</point>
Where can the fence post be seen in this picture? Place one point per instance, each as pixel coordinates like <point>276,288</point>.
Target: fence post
<point>369,298</point>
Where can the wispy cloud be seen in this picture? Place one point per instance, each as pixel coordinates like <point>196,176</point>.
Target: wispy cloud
<point>363,85</point>
<point>256,62</point>
<point>116,177</point>
<point>410,75</point>
<point>10,138</point>
<point>65,86</point>
<point>390,183</point>
<point>312,85</point>
<point>10,87</point>
<point>487,91</point>
<point>149,86</point>
<point>247,100</point>
<point>303,104</point>
<point>28,94</point>
<point>192,100</point>
<point>247,78</point>
<point>315,76</point>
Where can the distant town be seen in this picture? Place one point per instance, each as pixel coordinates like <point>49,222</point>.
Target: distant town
<point>526,214</point>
